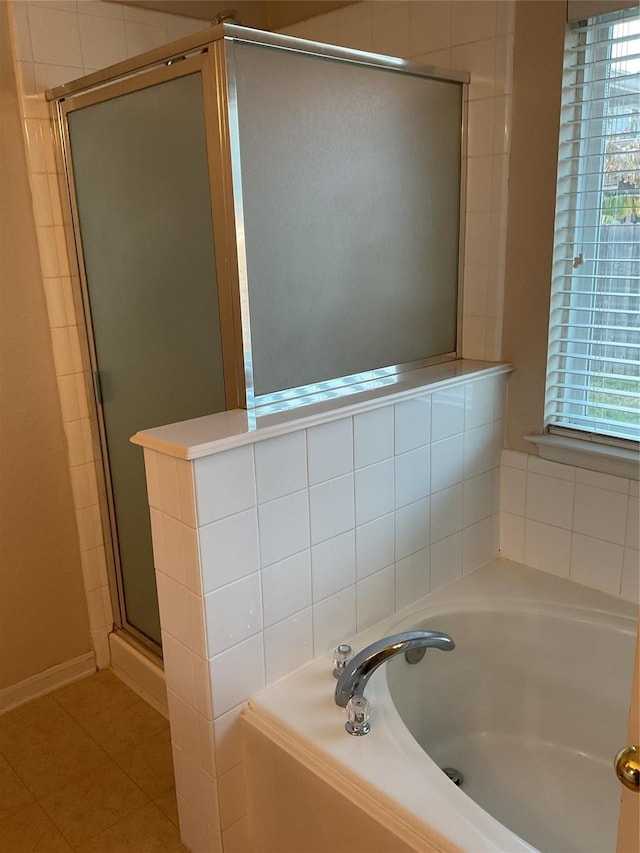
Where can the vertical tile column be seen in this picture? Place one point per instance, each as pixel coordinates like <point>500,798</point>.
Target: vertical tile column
<point>170,486</point>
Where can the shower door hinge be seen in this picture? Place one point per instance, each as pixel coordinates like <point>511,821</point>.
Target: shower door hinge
<point>97,387</point>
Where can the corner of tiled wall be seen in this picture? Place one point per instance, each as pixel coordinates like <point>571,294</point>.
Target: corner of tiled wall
<point>571,522</point>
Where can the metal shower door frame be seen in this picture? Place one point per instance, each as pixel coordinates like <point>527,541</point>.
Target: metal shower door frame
<point>162,70</point>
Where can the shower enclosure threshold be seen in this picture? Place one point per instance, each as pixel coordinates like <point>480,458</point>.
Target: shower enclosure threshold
<point>140,670</point>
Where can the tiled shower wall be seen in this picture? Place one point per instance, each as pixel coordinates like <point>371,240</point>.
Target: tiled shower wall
<point>54,42</point>
<point>59,40</point>
<point>572,522</point>
<point>272,553</point>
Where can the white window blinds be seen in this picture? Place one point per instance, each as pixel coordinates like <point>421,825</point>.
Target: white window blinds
<point>593,364</point>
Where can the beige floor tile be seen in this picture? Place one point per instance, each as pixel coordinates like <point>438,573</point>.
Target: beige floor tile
<point>120,729</point>
<point>13,792</point>
<point>49,766</point>
<point>90,696</point>
<point>168,805</point>
<point>149,763</point>
<point>145,831</point>
<point>33,725</point>
<point>93,802</point>
<point>29,830</point>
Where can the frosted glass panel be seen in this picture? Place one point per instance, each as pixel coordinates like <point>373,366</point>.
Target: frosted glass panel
<point>351,189</point>
<point>142,188</point>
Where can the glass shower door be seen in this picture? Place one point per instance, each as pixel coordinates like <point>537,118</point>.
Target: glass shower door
<point>140,178</point>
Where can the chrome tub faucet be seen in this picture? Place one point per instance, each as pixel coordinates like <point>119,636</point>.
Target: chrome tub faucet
<point>357,671</point>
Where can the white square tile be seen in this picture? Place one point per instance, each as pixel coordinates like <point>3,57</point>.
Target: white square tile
<point>472,20</point>
<point>447,412</point>
<point>233,614</point>
<point>373,438</point>
<point>167,481</point>
<point>141,37</point>
<point>512,536</point>
<point>412,424</point>
<point>477,499</point>
<point>479,450</point>
<point>430,25</point>
<point>633,519</point>
<point>236,674</point>
<point>284,527</point>
<point>334,620</point>
<point>630,586</point>
<point>201,684</point>
<point>330,450</point>
<point>446,512</point>
<point>173,562</point>
<point>229,549</point>
<point>178,669</point>
<point>228,739</point>
<point>545,468</point>
<point>281,466</point>
<point>479,58</point>
<point>375,598</point>
<point>374,490</point>
<point>391,29</point>
<point>356,33</point>
<point>225,484</point>
<point>550,500</point>
<point>232,796</point>
<point>374,545</point>
<point>288,645</point>
<point>412,528</point>
<point>600,513</point>
<point>447,462</point>
<point>184,726</point>
<point>333,565</point>
<point>512,490</point>
<point>413,476</point>
<point>55,36</point>
<point>514,459</point>
<point>602,481</point>
<point>412,578</point>
<point>477,545</point>
<point>547,548</point>
<point>286,587</point>
<point>186,492</point>
<point>446,561</point>
<point>596,563</point>
<point>173,601</point>
<point>331,506</point>
<point>103,40</point>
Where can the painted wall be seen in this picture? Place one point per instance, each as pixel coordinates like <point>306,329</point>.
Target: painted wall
<point>532,195</point>
<point>43,610</point>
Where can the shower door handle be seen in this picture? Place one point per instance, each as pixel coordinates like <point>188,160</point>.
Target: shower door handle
<point>627,765</point>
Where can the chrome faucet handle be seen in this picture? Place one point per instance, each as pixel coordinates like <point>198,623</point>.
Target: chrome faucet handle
<point>341,657</point>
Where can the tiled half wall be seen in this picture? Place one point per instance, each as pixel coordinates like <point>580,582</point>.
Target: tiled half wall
<point>271,553</point>
<point>572,522</point>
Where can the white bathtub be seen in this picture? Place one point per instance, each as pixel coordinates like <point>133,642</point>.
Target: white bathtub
<point>531,707</point>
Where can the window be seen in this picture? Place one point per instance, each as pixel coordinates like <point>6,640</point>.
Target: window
<point>593,369</point>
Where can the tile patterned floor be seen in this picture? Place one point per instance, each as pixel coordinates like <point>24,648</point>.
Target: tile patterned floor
<point>87,768</point>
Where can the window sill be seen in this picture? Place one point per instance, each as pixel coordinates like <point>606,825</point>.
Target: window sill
<point>587,454</point>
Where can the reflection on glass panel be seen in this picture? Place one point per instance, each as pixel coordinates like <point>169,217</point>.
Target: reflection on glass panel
<point>351,191</point>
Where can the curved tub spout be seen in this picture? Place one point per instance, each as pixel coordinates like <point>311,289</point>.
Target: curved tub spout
<point>360,668</point>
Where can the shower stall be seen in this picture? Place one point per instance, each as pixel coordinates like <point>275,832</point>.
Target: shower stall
<point>258,221</point>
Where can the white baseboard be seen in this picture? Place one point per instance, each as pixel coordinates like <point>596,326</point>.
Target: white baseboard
<point>138,672</point>
<point>47,681</point>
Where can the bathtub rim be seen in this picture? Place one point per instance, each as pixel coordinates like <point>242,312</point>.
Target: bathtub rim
<point>456,822</point>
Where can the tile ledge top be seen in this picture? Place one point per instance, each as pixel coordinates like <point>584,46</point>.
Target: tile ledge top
<point>211,434</point>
